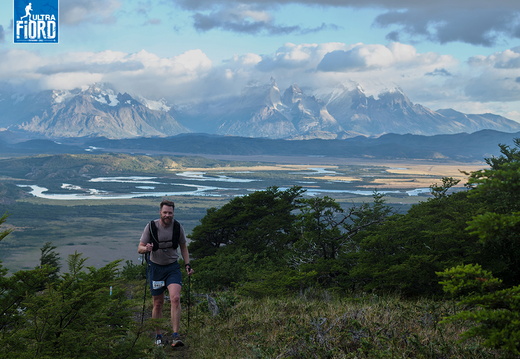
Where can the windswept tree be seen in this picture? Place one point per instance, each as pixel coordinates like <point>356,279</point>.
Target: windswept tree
<point>404,253</point>
<point>260,222</point>
<point>4,232</point>
<point>245,236</point>
<point>49,257</point>
<point>498,187</point>
<point>326,229</point>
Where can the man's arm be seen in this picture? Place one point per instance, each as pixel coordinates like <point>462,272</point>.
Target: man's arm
<point>142,248</point>
<point>186,256</point>
<point>145,244</point>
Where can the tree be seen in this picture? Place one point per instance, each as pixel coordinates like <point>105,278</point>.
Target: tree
<point>497,228</point>
<point>5,232</point>
<point>493,313</point>
<point>260,222</point>
<point>439,191</point>
<point>75,316</point>
<point>50,258</point>
<point>404,252</point>
<point>326,229</point>
<point>319,226</point>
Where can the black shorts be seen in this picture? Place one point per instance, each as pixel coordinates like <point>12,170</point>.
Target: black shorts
<point>161,276</point>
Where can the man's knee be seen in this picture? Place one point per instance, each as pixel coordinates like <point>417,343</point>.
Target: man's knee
<point>158,302</point>
<point>175,300</point>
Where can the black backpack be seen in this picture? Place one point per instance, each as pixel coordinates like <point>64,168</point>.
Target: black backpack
<point>175,235</point>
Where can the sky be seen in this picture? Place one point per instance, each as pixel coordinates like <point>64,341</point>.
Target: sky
<point>460,54</point>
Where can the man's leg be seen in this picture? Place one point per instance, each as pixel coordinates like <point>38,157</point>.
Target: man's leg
<point>175,299</point>
<point>158,301</point>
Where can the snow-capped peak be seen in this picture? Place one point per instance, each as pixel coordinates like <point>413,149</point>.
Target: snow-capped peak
<point>156,105</point>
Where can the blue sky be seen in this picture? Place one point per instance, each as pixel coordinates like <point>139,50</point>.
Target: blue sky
<point>461,54</point>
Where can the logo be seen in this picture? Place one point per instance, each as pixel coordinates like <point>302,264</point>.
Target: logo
<point>35,21</point>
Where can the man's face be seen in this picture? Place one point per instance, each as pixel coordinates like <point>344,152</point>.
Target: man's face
<point>166,215</point>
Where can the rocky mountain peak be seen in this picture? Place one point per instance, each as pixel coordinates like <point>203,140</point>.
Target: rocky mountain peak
<point>261,110</point>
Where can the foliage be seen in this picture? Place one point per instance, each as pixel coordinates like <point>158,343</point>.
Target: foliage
<point>404,253</point>
<point>259,223</point>
<point>498,235</point>
<point>469,279</point>
<point>319,226</point>
<point>5,232</point>
<point>268,283</point>
<point>80,314</point>
<point>326,229</point>
<point>225,269</point>
<point>49,257</point>
<point>490,313</point>
<point>497,228</point>
<point>245,243</point>
<point>131,271</point>
<point>439,191</point>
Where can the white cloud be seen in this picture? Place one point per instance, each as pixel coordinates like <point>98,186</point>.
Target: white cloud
<point>362,57</point>
<point>485,83</point>
<point>477,22</point>
<point>73,12</point>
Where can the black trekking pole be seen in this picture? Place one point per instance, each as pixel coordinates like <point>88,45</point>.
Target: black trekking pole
<point>189,304</point>
<point>145,262</point>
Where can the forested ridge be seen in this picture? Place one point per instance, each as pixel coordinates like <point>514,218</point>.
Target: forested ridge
<point>295,276</point>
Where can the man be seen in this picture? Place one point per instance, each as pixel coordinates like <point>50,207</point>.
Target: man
<point>160,240</point>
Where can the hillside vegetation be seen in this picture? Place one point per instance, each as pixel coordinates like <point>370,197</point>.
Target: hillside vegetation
<point>281,275</point>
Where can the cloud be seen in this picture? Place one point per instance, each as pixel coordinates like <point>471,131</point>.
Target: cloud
<point>2,34</point>
<point>299,57</point>
<point>248,19</point>
<point>477,22</point>
<point>508,59</point>
<point>439,72</point>
<point>474,26</point>
<point>432,79</point>
<point>495,77</point>
<point>73,12</point>
<point>363,57</point>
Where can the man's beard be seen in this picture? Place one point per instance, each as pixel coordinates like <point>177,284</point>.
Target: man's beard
<point>166,220</point>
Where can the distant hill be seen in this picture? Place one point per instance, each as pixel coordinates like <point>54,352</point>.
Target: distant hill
<point>460,147</point>
<point>260,111</point>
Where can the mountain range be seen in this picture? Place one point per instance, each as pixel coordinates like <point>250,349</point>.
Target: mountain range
<point>462,147</point>
<point>261,110</point>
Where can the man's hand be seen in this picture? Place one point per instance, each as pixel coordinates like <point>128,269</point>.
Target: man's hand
<point>144,248</point>
<point>189,270</point>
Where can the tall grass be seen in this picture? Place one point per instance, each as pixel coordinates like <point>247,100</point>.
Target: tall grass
<point>324,326</point>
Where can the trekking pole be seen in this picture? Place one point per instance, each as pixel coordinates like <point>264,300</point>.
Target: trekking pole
<point>189,304</point>
<point>144,260</point>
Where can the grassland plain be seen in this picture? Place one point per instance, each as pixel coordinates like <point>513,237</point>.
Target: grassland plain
<point>109,229</point>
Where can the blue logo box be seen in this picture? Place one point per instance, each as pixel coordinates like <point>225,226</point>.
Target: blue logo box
<point>36,21</point>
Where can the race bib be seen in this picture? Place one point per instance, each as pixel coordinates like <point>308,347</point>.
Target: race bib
<point>156,284</point>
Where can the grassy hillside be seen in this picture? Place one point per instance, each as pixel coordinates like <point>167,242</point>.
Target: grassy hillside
<point>321,325</point>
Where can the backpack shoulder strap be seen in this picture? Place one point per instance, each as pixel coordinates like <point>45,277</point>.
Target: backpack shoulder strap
<point>154,236</point>
<point>175,235</point>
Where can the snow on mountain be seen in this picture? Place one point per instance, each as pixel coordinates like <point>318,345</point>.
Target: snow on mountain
<point>97,110</point>
<point>261,110</point>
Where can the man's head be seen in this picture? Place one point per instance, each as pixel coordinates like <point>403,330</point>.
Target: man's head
<point>166,212</point>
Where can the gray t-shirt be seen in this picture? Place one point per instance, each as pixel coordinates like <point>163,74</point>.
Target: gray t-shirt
<point>163,256</point>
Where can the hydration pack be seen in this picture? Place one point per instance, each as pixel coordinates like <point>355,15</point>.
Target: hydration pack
<point>174,241</point>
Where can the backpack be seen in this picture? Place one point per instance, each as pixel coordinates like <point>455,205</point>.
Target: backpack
<point>175,235</point>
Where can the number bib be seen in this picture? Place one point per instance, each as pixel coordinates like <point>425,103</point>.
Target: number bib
<point>156,284</point>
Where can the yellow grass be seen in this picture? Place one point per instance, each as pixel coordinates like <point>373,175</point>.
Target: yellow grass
<point>395,174</point>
